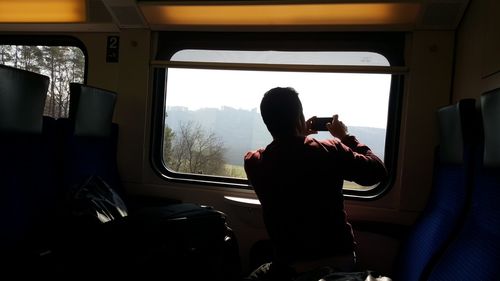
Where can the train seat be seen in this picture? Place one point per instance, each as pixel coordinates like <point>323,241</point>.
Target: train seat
<point>447,203</point>
<point>87,144</point>
<point>149,236</point>
<point>28,181</point>
<point>475,252</point>
<point>89,138</point>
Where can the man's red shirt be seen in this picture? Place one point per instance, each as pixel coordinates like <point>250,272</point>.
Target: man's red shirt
<point>299,184</point>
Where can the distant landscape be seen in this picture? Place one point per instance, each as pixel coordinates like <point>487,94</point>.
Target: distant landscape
<point>243,130</point>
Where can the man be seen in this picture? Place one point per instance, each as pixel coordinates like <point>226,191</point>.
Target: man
<point>298,181</point>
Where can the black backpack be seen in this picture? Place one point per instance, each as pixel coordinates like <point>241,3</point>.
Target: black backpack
<point>96,202</point>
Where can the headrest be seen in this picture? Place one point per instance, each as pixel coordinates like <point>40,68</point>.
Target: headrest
<point>22,100</point>
<point>490,110</point>
<point>91,110</point>
<point>456,129</point>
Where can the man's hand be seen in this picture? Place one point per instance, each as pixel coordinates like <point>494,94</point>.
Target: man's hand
<point>309,125</point>
<point>337,128</point>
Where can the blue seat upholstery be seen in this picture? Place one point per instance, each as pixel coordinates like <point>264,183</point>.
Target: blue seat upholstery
<point>85,156</point>
<point>447,203</point>
<point>475,253</point>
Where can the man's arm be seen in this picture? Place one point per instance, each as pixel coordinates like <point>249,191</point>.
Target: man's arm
<point>359,163</point>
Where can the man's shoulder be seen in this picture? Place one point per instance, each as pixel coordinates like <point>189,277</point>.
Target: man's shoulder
<point>331,142</point>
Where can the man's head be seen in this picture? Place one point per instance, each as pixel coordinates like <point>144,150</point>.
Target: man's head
<point>281,111</point>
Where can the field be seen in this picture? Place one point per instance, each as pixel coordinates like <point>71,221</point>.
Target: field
<point>234,171</point>
<point>349,185</point>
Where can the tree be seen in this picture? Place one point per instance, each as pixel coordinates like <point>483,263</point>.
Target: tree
<point>31,58</point>
<point>5,54</point>
<point>196,151</point>
<point>168,136</point>
<point>62,64</point>
<point>52,58</point>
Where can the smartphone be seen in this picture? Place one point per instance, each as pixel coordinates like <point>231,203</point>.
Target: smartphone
<point>319,123</point>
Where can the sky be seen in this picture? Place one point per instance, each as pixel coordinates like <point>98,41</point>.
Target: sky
<point>358,99</point>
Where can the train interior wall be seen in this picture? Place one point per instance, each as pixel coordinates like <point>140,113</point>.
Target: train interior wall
<point>477,58</point>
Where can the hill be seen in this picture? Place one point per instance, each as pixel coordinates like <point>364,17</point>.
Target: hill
<point>243,130</point>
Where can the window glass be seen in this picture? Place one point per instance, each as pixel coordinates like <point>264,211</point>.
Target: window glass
<point>212,116</point>
<point>62,64</point>
<point>280,57</point>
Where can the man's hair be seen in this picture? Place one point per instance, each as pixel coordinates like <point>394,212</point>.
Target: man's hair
<point>281,109</point>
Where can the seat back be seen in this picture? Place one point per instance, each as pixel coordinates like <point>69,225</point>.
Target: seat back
<point>91,110</point>
<point>475,253</point>
<point>22,99</point>
<point>89,137</point>
<point>447,202</point>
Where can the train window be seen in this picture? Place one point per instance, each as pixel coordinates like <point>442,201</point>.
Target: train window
<point>62,64</point>
<point>210,105</point>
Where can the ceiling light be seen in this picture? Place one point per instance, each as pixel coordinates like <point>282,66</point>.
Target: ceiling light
<point>281,14</point>
<point>42,11</point>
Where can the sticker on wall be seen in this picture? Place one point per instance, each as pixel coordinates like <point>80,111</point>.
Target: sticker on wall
<point>112,49</point>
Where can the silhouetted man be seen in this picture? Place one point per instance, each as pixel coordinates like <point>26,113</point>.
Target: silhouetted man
<point>299,181</point>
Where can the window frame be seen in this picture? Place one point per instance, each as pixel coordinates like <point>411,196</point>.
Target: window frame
<point>388,44</point>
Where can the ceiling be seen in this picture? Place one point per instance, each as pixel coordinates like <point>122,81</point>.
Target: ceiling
<point>336,15</point>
